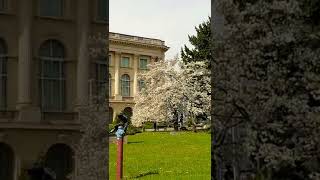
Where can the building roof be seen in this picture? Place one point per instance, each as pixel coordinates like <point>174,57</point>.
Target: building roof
<point>137,40</point>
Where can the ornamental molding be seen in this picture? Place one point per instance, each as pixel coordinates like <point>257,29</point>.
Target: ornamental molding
<point>139,44</point>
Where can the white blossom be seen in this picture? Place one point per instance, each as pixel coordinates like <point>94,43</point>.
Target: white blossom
<point>168,88</point>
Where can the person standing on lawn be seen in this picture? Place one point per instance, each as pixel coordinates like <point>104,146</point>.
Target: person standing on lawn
<point>155,125</point>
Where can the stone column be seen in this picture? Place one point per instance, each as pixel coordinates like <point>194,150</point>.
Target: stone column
<point>25,55</point>
<point>83,57</point>
<point>116,76</point>
<point>135,74</point>
<point>113,115</point>
<point>27,112</point>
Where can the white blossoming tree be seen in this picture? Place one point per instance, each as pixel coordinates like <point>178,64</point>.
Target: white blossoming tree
<point>153,102</point>
<point>171,89</point>
<point>196,88</point>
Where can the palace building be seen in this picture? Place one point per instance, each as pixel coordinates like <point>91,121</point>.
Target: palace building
<point>46,74</point>
<point>129,55</point>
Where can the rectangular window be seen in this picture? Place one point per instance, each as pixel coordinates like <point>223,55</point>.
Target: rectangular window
<point>101,79</point>
<point>3,83</point>
<point>3,5</point>
<point>141,85</point>
<point>52,83</point>
<point>125,88</point>
<point>143,63</point>
<point>53,8</point>
<point>125,62</point>
<point>103,10</point>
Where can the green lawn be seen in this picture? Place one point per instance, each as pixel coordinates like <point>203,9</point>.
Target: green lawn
<point>165,156</point>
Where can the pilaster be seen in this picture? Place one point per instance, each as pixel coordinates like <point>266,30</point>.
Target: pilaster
<point>135,73</point>
<point>83,57</point>
<point>25,55</point>
<point>116,76</point>
<point>27,112</point>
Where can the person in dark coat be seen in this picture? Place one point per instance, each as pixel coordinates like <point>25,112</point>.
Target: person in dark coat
<point>155,126</point>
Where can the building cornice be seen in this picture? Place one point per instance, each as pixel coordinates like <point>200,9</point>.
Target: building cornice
<point>123,39</point>
<point>39,126</point>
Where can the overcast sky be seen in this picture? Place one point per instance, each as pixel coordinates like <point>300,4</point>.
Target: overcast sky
<point>168,20</point>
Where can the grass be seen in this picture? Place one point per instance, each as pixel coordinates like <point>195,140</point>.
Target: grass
<point>165,156</point>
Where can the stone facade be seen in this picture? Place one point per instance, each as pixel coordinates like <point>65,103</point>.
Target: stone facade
<point>34,35</point>
<point>136,49</point>
<point>39,106</point>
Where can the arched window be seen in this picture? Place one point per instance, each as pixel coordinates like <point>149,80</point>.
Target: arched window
<point>52,8</point>
<point>59,159</point>
<point>110,115</point>
<point>110,85</point>
<point>52,76</point>
<point>3,75</point>
<point>125,85</point>
<point>6,162</point>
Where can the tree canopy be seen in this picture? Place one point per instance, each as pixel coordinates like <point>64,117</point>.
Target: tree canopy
<point>266,99</point>
<point>201,50</point>
<point>170,88</point>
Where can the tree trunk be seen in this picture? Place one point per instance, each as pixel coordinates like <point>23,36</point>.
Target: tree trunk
<point>175,126</point>
<point>194,128</point>
<point>194,125</point>
<point>176,121</point>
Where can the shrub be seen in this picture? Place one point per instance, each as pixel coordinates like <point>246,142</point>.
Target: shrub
<point>133,130</point>
<point>148,125</point>
<point>189,122</point>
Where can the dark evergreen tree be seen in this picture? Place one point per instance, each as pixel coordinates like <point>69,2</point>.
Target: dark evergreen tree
<point>201,44</point>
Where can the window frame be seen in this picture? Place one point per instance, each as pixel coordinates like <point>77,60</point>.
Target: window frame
<point>141,84</point>
<point>121,64</point>
<point>100,18</point>
<point>62,153</point>
<point>59,81</point>
<point>125,86</point>
<point>146,65</point>
<point>4,75</point>
<point>62,10</point>
<point>98,80</point>
<point>3,5</point>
